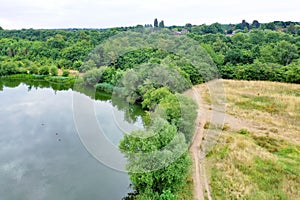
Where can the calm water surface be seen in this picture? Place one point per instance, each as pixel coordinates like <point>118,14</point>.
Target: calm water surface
<point>42,157</point>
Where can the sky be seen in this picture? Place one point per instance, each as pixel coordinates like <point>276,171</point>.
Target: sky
<point>18,14</point>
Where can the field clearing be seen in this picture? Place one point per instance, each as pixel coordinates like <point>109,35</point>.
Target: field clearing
<point>258,154</point>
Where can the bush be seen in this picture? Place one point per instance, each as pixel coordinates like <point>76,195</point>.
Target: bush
<point>21,70</point>
<point>44,70</point>
<point>106,87</point>
<point>292,75</point>
<point>77,64</point>
<point>53,71</point>
<point>86,66</point>
<point>8,68</point>
<point>153,97</point>
<point>33,70</point>
<point>66,73</point>
<point>244,132</point>
<point>180,111</point>
<point>93,76</point>
<point>63,63</point>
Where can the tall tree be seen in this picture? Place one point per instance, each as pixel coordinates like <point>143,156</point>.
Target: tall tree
<point>188,26</point>
<point>255,24</point>
<point>161,24</point>
<point>160,153</point>
<point>155,22</point>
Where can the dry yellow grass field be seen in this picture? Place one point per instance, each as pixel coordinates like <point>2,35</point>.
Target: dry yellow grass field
<point>258,157</point>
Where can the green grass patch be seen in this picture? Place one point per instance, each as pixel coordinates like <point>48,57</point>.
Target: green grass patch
<point>187,190</point>
<point>291,152</point>
<point>60,79</point>
<point>221,152</point>
<point>268,176</point>
<point>24,76</point>
<point>55,79</point>
<point>270,144</point>
<point>259,177</point>
<point>261,103</point>
<point>219,184</point>
<point>243,131</point>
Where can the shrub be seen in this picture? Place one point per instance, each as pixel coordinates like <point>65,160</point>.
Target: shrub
<point>8,68</point>
<point>77,64</point>
<point>87,66</point>
<point>63,63</point>
<point>106,87</point>
<point>244,132</point>
<point>66,73</point>
<point>44,70</point>
<point>33,70</point>
<point>53,71</point>
<point>93,76</point>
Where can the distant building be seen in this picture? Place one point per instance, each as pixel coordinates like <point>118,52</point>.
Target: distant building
<point>183,31</point>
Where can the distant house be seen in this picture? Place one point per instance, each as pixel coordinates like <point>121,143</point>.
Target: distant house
<point>183,31</point>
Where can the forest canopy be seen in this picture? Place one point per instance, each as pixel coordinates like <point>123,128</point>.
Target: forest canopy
<point>250,51</point>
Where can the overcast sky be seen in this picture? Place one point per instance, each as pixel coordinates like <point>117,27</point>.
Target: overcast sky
<point>17,14</point>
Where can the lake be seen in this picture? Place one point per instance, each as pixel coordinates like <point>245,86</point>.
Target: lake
<point>42,156</point>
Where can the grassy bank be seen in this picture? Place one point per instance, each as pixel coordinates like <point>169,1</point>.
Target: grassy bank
<point>261,159</point>
<point>53,79</point>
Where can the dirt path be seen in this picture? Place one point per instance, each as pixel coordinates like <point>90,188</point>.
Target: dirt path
<point>201,184</point>
<point>199,176</point>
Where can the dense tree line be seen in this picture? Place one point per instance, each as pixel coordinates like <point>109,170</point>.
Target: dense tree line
<point>250,48</point>
<point>254,55</point>
<point>52,48</point>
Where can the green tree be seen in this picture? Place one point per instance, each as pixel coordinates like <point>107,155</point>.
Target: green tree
<point>64,63</point>
<point>285,52</point>
<point>65,73</point>
<point>234,56</point>
<point>267,54</point>
<point>217,58</point>
<point>8,68</point>
<point>255,24</point>
<point>53,71</point>
<point>270,26</point>
<point>56,42</point>
<point>33,69</point>
<point>154,96</point>
<point>94,76</point>
<point>180,111</point>
<point>86,66</point>
<point>155,22</point>
<point>257,37</point>
<point>292,74</point>
<point>136,82</point>
<point>44,70</point>
<point>76,51</point>
<point>161,24</point>
<point>148,150</point>
<point>188,26</point>
<point>291,29</point>
<point>77,64</point>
